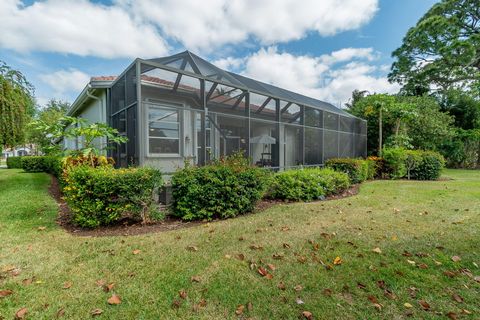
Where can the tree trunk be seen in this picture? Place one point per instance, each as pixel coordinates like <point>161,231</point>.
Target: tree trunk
<point>380,142</point>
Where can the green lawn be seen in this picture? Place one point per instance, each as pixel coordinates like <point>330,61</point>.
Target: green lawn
<point>432,221</point>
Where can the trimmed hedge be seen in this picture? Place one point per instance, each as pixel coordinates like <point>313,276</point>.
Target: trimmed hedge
<point>49,164</point>
<point>103,195</point>
<point>308,184</point>
<point>223,189</point>
<point>14,162</point>
<point>412,164</point>
<point>358,170</point>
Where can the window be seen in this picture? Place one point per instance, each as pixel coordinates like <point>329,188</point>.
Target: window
<point>163,131</point>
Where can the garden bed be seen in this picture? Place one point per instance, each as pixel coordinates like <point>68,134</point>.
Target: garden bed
<point>128,227</point>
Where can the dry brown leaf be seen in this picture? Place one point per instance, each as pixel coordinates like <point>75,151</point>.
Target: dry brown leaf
<point>241,256</point>
<point>182,294</point>
<point>114,299</point>
<point>424,304</point>
<point>195,279</point>
<point>452,315</point>
<point>361,286</point>
<point>381,284</point>
<point>277,256</point>
<point>450,274</point>
<point>389,294</point>
<point>256,247</point>
<point>41,228</point>
<point>176,303</point>
<point>457,298</point>
<point>422,266</point>
<point>271,266</point>
<point>327,292</point>
<point>281,286</point>
<point>108,287</point>
<point>286,246</point>
<point>67,285</point>
<point>192,248</point>
<point>60,312</point>
<point>337,261</point>
<point>307,315</point>
<point>377,250</point>
<point>298,288</point>
<point>4,293</point>
<point>372,299</point>
<point>302,259</point>
<point>239,309</point>
<point>21,313</point>
<point>456,259</point>
<point>28,281</point>
<point>262,271</point>
<point>136,251</point>
<point>249,307</point>
<point>96,312</point>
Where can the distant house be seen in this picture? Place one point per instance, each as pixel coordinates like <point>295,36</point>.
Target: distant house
<point>184,107</point>
<point>18,151</point>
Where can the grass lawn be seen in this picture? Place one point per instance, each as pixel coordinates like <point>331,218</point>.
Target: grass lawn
<point>431,221</point>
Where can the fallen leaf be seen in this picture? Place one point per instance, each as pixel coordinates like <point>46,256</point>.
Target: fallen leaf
<point>476,278</point>
<point>298,288</point>
<point>327,292</point>
<point>227,256</point>
<point>286,246</point>
<point>377,250</point>
<point>456,259</point>
<point>100,282</point>
<point>60,312</point>
<point>108,287</point>
<point>407,305</point>
<point>114,299</point>
<point>249,306</point>
<point>424,304</point>
<point>302,259</point>
<point>381,284</point>
<point>337,261</point>
<point>262,271</point>
<point>361,286</point>
<point>239,309</point>
<point>192,248</point>
<point>465,311</point>
<point>281,286</point>
<point>277,256</point>
<point>422,266</point>
<point>96,312</point>
<point>285,228</point>
<point>176,303</point>
<point>271,267</point>
<point>195,279</point>
<point>41,228</point>
<point>452,315</point>
<point>67,285</point>
<point>299,301</point>
<point>21,313</point>
<point>256,247</point>
<point>28,281</point>
<point>389,294</point>
<point>372,299</point>
<point>457,298</point>
<point>450,274</point>
<point>241,256</point>
<point>183,294</point>
<point>307,315</point>
<point>411,262</point>
<point>4,293</point>
<point>136,251</point>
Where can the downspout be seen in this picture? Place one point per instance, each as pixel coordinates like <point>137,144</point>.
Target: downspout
<point>89,86</point>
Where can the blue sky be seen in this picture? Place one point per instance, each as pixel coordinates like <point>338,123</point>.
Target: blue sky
<point>324,49</point>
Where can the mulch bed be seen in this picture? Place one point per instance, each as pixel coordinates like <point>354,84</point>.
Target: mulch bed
<point>128,227</point>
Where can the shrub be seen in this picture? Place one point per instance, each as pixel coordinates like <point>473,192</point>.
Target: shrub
<point>430,166</point>
<point>103,195</point>
<point>308,184</point>
<point>14,162</point>
<point>223,189</point>
<point>357,169</point>
<point>376,167</point>
<point>413,164</point>
<point>395,158</point>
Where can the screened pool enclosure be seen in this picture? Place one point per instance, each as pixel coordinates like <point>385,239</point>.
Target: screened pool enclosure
<point>184,107</point>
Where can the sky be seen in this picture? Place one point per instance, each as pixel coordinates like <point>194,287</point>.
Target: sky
<point>321,48</point>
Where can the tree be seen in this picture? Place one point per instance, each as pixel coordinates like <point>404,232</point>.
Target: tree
<point>47,117</point>
<point>442,50</point>
<point>16,105</point>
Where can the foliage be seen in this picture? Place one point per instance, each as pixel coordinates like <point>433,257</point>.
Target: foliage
<point>14,162</point>
<point>413,164</point>
<point>308,184</point>
<point>463,149</point>
<point>377,165</point>
<point>46,119</point>
<point>16,105</point>
<point>225,188</point>
<point>408,122</point>
<point>49,164</point>
<point>104,195</point>
<point>442,50</point>
<point>358,170</point>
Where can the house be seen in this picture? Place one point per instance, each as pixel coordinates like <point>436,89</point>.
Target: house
<point>19,151</point>
<point>185,108</point>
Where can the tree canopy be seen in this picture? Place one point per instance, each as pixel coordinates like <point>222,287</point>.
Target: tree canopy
<point>16,105</point>
<point>442,51</point>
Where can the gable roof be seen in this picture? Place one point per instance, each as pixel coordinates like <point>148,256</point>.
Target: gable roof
<point>188,61</point>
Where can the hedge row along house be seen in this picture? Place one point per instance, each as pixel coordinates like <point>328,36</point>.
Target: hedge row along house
<point>184,107</point>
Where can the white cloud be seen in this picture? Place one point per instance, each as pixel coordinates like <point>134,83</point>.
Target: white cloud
<point>205,25</point>
<point>130,28</point>
<point>78,27</point>
<point>63,82</point>
<point>330,77</point>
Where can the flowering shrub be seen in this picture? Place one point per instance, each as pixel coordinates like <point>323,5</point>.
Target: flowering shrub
<point>103,195</point>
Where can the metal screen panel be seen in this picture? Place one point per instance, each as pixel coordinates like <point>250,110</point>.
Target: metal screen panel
<point>346,145</point>
<point>330,121</point>
<point>130,86</point>
<point>330,149</point>
<point>360,146</point>
<point>118,95</point>
<point>347,124</point>
<point>313,146</point>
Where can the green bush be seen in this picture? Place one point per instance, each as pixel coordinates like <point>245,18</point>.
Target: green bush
<point>357,169</point>
<point>430,166</point>
<point>14,162</point>
<point>223,189</point>
<point>413,164</point>
<point>394,158</point>
<point>48,164</point>
<point>103,195</point>
<point>308,184</point>
<point>376,167</point>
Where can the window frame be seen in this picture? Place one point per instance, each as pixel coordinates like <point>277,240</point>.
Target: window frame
<point>180,131</point>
